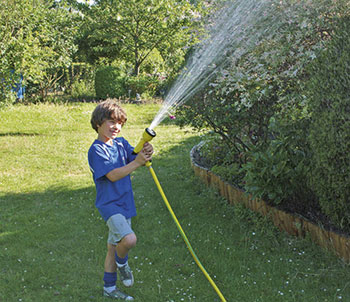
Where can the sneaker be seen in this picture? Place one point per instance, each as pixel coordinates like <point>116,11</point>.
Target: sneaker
<point>117,294</point>
<point>126,275</point>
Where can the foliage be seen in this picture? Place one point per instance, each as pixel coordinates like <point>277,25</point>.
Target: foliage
<point>79,81</point>
<point>214,151</point>
<point>145,85</point>
<point>217,156</point>
<point>329,91</point>
<point>263,86</point>
<point>39,40</point>
<point>12,30</point>
<point>131,30</point>
<point>7,97</point>
<point>109,82</point>
<point>266,80</point>
<point>230,172</point>
<point>82,90</point>
<point>154,64</point>
<point>36,40</point>
<point>278,172</point>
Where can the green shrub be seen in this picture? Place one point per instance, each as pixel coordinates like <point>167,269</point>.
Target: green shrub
<point>7,98</point>
<point>145,85</point>
<point>269,81</point>
<point>109,82</point>
<point>82,90</point>
<point>278,172</point>
<point>329,90</point>
<point>214,150</point>
<point>266,80</point>
<point>230,172</point>
<point>7,95</point>
<point>220,159</point>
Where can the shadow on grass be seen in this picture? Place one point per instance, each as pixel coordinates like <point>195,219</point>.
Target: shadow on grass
<point>2,134</point>
<point>45,239</point>
<point>36,216</point>
<point>30,214</point>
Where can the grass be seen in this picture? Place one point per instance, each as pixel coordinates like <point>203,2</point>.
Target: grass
<point>53,241</point>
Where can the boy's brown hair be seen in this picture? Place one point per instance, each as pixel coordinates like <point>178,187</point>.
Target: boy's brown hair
<point>107,110</point>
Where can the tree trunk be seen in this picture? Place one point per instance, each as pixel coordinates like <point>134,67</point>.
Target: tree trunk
<point>136,68</point>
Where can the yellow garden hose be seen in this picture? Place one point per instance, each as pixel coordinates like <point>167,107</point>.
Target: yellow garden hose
<point>149,165</point>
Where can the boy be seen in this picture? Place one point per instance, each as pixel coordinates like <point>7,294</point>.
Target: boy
<point>111,161</point>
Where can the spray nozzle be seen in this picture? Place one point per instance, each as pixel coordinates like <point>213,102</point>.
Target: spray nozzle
<point>147,135</point>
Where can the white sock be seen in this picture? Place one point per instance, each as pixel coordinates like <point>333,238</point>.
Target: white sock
<point>110,289</point>
<point>121,265</point>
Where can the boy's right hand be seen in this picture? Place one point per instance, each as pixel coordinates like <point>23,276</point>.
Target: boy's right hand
<point>143,156</point>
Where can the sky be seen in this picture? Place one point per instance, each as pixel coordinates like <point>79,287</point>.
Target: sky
<point>89,1</point>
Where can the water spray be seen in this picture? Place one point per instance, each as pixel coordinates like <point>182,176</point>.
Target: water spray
<point>235,29</point>
<point>147,136</point>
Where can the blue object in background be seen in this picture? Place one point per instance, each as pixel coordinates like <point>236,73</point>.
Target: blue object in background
<point>19,88</point>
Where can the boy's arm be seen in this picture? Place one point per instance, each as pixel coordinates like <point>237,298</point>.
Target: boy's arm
<point>119,173</point>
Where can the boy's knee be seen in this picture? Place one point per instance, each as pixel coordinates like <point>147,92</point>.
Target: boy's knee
<point>130,240</point>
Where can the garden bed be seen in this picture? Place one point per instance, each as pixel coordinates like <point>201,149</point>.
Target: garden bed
<point>286,219</point>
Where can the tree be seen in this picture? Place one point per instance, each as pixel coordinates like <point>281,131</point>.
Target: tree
<point>132,29</point>
<point>12,32</point>
<point>36,40</point>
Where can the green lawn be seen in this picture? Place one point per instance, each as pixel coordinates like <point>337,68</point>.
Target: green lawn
<point>53,242</point>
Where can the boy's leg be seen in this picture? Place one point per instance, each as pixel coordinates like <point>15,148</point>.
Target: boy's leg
<point>110,277</point>
<point>119,229</point>
<point>110,265</point>
<point>123,248</point>
<point>122,235</point>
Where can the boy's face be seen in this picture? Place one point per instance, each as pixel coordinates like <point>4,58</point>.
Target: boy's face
<point>109,130</point>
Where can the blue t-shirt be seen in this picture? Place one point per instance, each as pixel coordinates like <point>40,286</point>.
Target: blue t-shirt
<point>112,197</point>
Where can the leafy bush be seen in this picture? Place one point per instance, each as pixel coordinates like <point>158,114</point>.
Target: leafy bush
<point>278,173</point>
<point>266,80</point>
<point>329,89</point>
<point>109,82</point>
<point>7,98</point>
<point>230,172</point>
<point>214,150</point>
<point>82,90</point>
<point>218,157</point>
<point>145,85</point>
